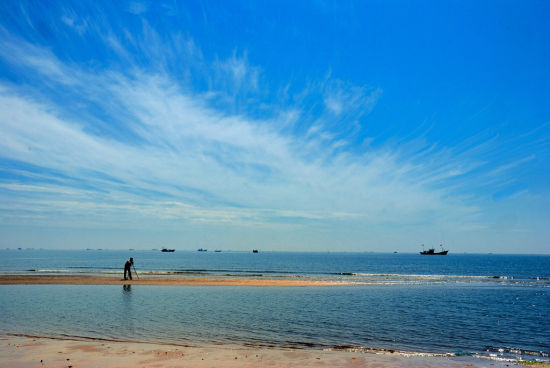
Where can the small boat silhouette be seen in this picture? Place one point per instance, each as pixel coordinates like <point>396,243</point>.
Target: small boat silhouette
<point>432,252</point>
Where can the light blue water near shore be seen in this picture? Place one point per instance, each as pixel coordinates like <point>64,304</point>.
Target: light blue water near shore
<point>466,304</point>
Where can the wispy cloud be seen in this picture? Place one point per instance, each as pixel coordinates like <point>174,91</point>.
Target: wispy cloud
<point>71,19</point>
<point>240,72</point>
<point>344,98</point>
<point>137,7</point>
<point>41,61</point>
<point>201,158</point>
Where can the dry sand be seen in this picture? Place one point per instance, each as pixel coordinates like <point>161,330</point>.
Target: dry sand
<point>152,280</point>
<point>18,351</point>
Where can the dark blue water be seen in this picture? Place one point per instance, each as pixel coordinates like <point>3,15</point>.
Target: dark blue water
<point>408,302</point>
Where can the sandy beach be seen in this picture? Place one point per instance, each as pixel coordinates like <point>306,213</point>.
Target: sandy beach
<point>151,280</point>
<point>21,351</point>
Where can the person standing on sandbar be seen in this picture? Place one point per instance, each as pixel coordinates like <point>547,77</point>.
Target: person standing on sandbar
<point>128,268</point>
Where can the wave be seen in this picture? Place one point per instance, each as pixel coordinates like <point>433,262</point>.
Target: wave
<point>444,278</point>
<point>65,271</point>
<point>389,351</point>
<point>65,337</point>
<point>359,278</point>
<point>507,352</point>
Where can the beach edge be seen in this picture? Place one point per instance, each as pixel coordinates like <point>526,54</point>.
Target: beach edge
<point>35,351</point>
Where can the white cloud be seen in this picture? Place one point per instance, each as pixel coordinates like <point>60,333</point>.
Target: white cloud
<point>342,97</point>
<point>511,165</point>
<point>41,61</point>
<point>216,159</point>
<point>177,158</point>
<point>137,8</point>
<point>236,74</point>
<point>73,21</point>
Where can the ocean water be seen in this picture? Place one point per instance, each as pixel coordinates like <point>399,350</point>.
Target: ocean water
<point>489,305</point>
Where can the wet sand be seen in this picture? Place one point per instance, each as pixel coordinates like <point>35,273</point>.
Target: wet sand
<point>152,280</point>
<point>20,351</point>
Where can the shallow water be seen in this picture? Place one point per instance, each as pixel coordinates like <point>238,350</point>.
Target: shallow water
<point>437,319</point>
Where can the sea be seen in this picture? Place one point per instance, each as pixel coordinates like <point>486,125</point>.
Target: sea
<point>481,305</point>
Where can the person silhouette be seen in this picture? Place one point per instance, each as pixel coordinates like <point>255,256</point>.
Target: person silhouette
<point>128,268</point>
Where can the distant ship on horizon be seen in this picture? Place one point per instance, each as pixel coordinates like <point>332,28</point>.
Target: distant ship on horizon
<point>432,252</point>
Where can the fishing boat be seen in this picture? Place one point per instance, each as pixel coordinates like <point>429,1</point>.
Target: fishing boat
<point>432,252</point>
<point>167,250</point>
<point>201,250</point>
<point>255,251</point>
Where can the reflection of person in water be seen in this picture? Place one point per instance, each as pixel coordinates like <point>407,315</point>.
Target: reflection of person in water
<point>126,288</point>
<point>128,268</point>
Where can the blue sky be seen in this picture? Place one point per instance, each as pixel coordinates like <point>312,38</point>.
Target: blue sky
<point>287,125</point>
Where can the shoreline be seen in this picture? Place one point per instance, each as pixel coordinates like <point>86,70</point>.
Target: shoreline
<point>39,351</point>
<point>160,281</point>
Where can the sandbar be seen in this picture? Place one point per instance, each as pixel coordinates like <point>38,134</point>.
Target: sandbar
<point>24,351</point>
<point>167,281</point>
